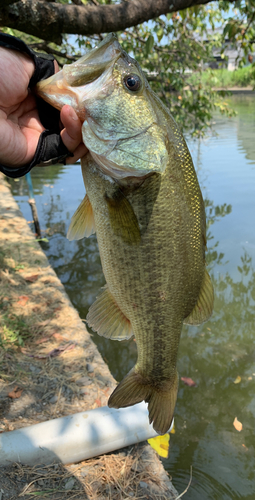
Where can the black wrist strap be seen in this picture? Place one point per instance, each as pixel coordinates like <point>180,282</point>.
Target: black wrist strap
<point>50,148</point>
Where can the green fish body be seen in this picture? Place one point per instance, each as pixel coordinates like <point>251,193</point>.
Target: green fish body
<point>144,202</point>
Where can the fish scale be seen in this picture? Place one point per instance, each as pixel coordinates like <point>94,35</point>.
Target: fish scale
<point>144,202</point>
<point>142,293</point>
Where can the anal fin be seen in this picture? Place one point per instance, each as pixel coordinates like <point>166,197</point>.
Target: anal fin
<point>204,306</point>
<point>106,318</point>
<point>82,223</point>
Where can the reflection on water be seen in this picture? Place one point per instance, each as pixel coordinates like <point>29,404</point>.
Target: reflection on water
<point>213,354</point>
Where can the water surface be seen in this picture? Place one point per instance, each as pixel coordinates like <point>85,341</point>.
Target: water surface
<point>215,353</point>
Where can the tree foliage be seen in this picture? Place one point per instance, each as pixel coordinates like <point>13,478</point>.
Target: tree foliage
<point>172,41</point>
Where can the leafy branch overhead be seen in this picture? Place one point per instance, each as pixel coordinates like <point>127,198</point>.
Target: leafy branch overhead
<point>46,18</point>
<point>174,41</point>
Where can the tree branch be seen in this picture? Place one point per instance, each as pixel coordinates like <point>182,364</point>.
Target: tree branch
<point>50,19</point>
<point>49,50</point>
<point>5,3</point>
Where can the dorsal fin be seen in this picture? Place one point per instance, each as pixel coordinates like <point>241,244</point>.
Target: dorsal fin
<point>82,222</point>
<point>106,318</point>
<point>204,306</point>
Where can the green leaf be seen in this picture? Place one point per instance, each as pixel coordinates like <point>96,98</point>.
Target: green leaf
<point>149,44</point>
<point>160,34</point>
<point>226,29</point>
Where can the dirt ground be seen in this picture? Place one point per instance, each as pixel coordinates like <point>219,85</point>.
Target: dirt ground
<point>49,367</point>
<point>121,475</point>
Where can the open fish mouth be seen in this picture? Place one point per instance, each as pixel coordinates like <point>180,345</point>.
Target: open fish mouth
<point>83,79</point>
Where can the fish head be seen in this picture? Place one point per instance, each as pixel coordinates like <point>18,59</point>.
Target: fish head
<point>72,85</point>
<point>121,127</point>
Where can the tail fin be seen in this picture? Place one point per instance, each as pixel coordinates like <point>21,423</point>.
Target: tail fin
<point>134,388</point>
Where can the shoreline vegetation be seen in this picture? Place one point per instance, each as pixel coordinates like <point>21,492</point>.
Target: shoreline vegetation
<point>223,79</point>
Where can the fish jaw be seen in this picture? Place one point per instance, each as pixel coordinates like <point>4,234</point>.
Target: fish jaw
<point>56,91</point>
<point>83,79</point>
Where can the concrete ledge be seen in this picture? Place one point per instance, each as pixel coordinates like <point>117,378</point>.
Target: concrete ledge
<point>74,378</point>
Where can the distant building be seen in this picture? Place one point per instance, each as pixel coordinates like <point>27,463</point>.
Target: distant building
<point>231,53</point>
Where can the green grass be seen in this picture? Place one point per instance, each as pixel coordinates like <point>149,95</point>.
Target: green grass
<point>14,331</point>
<point>219,78</point>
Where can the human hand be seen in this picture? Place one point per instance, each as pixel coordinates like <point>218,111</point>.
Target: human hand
<point>20,126</point>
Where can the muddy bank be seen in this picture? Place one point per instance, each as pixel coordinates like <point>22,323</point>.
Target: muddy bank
<point>49,367</point>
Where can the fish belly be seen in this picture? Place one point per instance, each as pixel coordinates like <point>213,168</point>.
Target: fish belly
<point>156,282</point>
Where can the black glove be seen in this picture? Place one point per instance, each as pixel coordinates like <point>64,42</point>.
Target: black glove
<point>50,148</point>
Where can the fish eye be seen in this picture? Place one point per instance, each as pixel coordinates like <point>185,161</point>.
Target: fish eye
<point>132,82</point>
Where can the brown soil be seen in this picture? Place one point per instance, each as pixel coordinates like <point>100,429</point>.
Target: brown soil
<point>123,475</point>
<point>49,367</point>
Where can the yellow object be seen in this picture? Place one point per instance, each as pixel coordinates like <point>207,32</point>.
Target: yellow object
<point>237,380</point>
<point>160,444</point>
<point>144,202</point>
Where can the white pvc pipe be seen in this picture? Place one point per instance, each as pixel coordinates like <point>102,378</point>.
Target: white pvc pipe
<point>77,437</point>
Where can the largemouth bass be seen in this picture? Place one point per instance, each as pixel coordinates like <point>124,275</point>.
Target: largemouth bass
<point>144,202</point>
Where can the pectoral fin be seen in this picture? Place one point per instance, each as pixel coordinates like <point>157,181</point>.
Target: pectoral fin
<point>82,223</point>
<point>204,306</point>
<point>122,218</point>
<point>106,318</point>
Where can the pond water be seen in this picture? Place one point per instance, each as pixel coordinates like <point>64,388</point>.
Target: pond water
<point>215,353</point>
